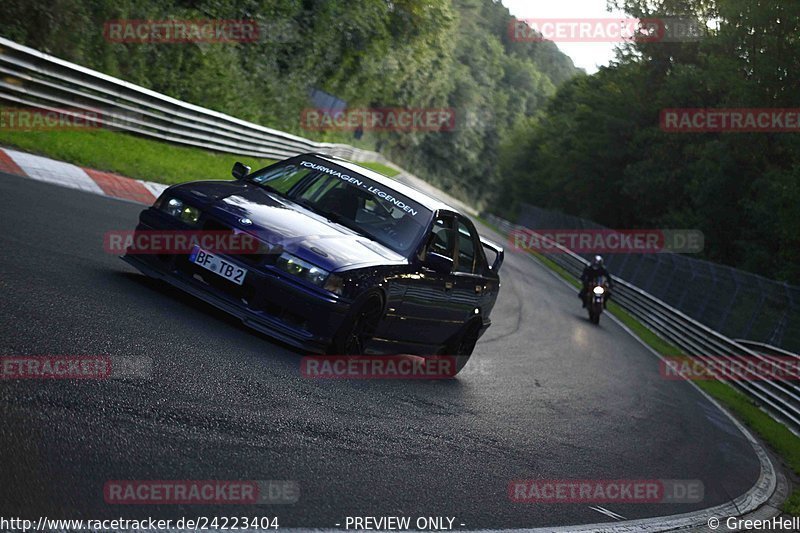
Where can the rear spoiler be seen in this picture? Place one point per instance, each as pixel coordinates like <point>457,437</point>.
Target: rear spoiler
<point>498,254</point>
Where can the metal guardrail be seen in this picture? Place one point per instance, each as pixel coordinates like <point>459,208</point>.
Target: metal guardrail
<point>34,79</point>
<point>779,398</point>
<point>734,302</point>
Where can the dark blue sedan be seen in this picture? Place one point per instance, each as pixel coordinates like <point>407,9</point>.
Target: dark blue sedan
<point>348,261</point>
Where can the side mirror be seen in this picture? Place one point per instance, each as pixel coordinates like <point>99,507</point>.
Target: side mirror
<point>438,263</point>
<point>240,170</point>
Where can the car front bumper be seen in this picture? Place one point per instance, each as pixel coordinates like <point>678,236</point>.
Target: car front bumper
<point>268,302</point>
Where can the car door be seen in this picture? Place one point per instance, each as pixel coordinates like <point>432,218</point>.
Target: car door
<point>426,314</point>
<point>470,264</point>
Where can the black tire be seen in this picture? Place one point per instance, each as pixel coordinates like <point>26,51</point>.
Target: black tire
<point>463,345</point>
<point>359,328</point>
<point>594,317</point>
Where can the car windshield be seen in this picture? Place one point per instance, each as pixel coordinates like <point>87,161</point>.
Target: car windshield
<point>352,200</point>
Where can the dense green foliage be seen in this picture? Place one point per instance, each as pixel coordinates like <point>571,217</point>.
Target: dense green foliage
<point>599,151</point>
<point>370,53</point>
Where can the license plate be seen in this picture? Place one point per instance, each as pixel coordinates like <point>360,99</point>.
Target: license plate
<point>217,265</point>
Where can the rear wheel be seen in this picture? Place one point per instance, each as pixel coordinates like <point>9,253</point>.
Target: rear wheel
<point>462,346</point>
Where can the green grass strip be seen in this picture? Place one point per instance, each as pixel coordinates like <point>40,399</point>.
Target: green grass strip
<point>129,155</point>
<point>380,167</point>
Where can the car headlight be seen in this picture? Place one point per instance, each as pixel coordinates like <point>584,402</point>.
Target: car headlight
<point>302,269</point>
<point>598,290</point>
<point>179,209</point>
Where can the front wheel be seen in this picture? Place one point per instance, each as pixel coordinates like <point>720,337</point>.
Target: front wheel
<point>357,330</point>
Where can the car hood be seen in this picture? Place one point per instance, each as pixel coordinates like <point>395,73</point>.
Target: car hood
<point>279,221</point>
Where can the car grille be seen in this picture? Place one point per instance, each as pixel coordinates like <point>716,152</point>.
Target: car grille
<point>264,257</point>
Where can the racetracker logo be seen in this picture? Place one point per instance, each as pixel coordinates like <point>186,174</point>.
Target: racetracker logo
<point>739,120</point>
<point>379,119</point>
<point>190,492</point>
<point>606,491</point>
<point>182,242</point>
<point>607,241</point>
<point>73,367</point>
<point>606,30</point>
<point>54,119</point>
<point>379,367</point>
<point>578,30</point>
<point>741,368</point>
<point>181,31</point>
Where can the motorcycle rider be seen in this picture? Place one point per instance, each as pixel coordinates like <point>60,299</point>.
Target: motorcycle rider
<point>593,271</point>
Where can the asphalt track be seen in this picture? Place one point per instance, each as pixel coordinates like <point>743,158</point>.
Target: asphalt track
<point>547,395</point>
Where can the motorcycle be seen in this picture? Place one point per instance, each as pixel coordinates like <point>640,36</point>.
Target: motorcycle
<point>596,299</point>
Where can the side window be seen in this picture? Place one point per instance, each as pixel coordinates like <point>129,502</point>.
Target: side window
<point>370,205</point>
<point>442,241</point>
<point>466,249</point>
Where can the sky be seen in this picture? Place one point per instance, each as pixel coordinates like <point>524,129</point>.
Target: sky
<point>585,55</point>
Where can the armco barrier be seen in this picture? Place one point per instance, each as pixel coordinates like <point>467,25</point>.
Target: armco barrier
<point>781,399</point>
<point>729,300</point>
<point>32,78</point>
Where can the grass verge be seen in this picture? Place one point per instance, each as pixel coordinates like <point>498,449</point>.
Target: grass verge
<point>129,155</point>
<point>138,157</point>
<point>776,435</point>
<point>380,167</point>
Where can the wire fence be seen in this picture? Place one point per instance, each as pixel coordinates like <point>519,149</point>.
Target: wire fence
<point>735,303</point>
